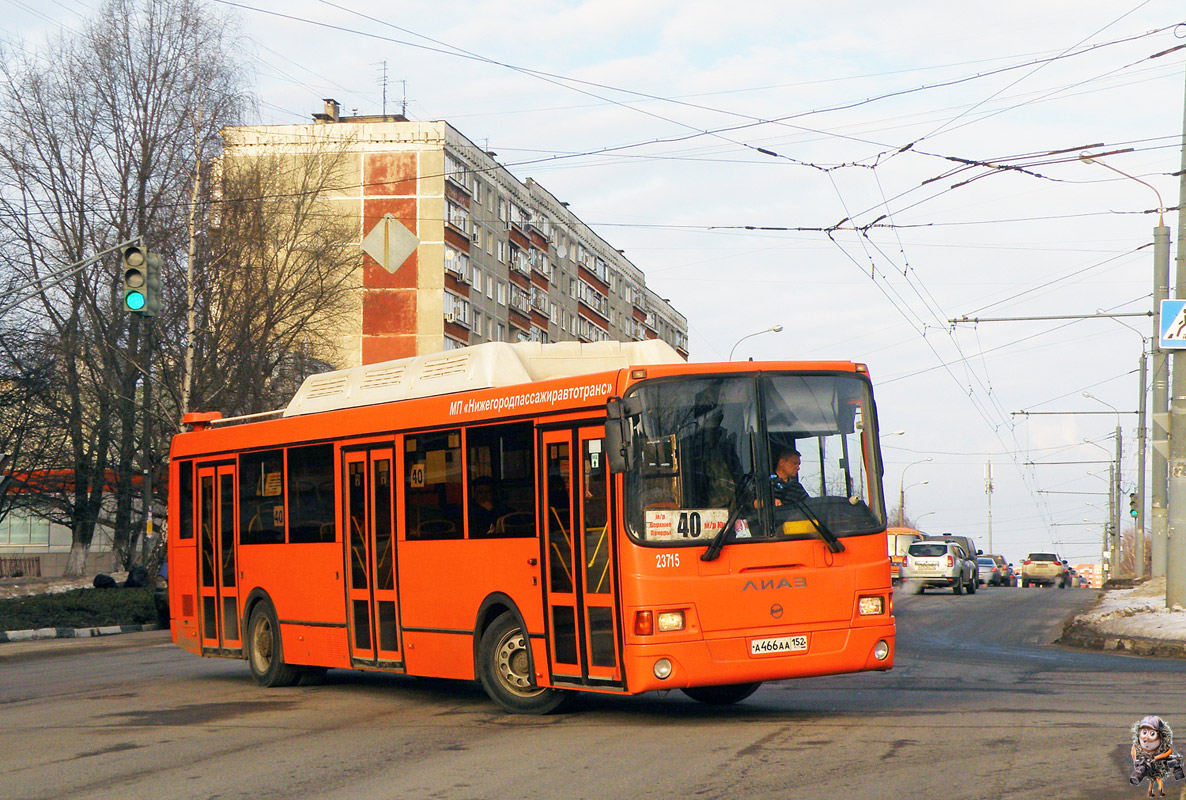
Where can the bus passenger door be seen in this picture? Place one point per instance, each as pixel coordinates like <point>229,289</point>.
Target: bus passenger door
<point>216,554</point>
<point>581,582</point>
<point>370,558</point>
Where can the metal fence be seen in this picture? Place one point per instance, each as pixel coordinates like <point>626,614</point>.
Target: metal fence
<point>20,566</point>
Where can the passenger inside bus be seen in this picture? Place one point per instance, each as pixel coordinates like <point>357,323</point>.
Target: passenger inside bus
<point>485,508</point>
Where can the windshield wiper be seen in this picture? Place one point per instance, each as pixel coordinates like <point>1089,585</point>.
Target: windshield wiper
<point>831,541</point>
<point>714,548</point>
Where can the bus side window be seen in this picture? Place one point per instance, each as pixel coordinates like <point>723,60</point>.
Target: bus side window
<point>311,494</point>
<point>500,464</point>
<point>433,485</point>
<point>185,494</point>
<point>261,497</point>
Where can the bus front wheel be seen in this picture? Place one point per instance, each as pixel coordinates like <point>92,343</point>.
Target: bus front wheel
<point>505,674</point>
<point>264,654</point>
<point>721,695</point>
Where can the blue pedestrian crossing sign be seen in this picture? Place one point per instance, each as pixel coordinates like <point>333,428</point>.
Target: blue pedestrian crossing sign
<point>1173,325</point>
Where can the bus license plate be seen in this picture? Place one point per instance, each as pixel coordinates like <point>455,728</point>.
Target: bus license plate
<point>778,644</point>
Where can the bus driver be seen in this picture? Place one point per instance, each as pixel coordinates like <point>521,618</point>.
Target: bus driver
<point>785,480</point>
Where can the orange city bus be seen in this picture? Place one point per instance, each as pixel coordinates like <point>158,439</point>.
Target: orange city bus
<point>542,519</point>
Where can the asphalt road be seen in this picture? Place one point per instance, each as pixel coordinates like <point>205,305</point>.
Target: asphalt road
<point>979,705</point>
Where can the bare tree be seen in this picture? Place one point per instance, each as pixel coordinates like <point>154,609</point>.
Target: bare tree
<point>97,150</point>
<point>280,280</point>
<point>25,435</point>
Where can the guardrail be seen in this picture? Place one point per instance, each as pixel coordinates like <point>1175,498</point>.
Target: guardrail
<point>20,566</point>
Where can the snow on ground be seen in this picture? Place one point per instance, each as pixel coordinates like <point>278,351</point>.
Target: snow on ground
<point>18,587</point>
<point>1139,611</point>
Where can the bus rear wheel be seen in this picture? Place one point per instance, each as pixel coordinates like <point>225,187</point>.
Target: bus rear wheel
<point>505,673</point>
<point>264,654</point>
<point>722,695</point>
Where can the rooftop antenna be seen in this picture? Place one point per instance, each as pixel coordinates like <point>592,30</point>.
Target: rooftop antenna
<point>403,107</point>
<point>383,84</point>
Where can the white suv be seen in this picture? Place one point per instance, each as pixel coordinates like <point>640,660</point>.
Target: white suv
<point>938,563</point>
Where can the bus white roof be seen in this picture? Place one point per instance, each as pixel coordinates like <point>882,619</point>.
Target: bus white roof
<point>481,366</point>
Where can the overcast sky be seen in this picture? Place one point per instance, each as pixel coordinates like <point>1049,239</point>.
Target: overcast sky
<point>861,139</point>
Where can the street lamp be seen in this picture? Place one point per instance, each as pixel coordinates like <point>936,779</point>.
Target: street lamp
<point>1169,436</point>
<point>771,329</point>
<point>924,516</point>
<point>902,490</point>
<point>911,486</point>
<point>1087,158</point>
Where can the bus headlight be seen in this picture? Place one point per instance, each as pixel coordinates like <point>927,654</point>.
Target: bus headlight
<point>881,650</point>
<point>663,669</point>
<point>670,620</point>
<point>869,606</point>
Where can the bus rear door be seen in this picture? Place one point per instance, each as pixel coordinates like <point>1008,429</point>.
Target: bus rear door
<point>216,554</point>
<point>581,591</point>
<point>372,605</point>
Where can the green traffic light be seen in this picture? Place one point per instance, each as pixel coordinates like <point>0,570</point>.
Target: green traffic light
<point>134,301</point>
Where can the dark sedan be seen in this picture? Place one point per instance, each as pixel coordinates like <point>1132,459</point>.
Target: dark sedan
<point>993,573</point>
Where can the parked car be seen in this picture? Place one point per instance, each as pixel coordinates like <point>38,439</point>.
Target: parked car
<point>1001,573</point>
<point>933,563</point>
<point>968,546</point>
<point>160,595</point>
<point>1045,569</point>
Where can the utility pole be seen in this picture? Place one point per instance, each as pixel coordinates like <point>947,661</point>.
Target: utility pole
<point>1117,493</point>
<point>1139,521</point>
<point>1109,531</point>
<point>1175,568</point>
<point>988,491</point>
<point>1160,418</point>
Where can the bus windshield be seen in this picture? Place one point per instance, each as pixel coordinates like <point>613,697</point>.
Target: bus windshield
<point>707,446</point>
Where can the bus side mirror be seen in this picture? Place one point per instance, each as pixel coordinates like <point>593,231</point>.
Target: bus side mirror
<point>619,439</point>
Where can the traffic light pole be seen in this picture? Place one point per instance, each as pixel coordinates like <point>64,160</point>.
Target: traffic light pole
<point>146,432</point>
<point>141,275</point>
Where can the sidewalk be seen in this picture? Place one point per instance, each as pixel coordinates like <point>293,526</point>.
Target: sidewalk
<point>1132,621</point>
<point>24,587</point>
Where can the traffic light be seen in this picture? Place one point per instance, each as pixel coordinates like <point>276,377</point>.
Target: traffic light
<point>1132,504</point>
<point>142,281</point>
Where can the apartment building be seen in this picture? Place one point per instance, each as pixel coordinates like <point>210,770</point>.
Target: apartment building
<point>457,251</point>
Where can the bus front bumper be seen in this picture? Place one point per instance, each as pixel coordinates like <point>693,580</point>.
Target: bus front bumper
<point>728,660</point>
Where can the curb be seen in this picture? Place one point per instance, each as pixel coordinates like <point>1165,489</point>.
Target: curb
<point>73,633</point>
<point>1076,634</point>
